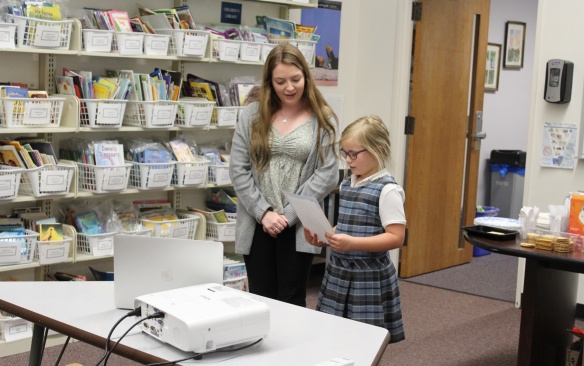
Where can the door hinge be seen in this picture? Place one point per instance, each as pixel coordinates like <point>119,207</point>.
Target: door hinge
<point>409,129</point>
<point>416,11</point>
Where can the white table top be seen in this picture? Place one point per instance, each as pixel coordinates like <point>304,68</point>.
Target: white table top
<point>298,336</point>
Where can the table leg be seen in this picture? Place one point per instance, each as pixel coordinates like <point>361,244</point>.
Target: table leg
<point>548,310</point>
<point>36,346</point>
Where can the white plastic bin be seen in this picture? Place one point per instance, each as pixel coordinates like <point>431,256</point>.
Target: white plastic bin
<point>222,231</point>
<point>18,249</point>
<point>41,33</point>
<point>186,42</point>
<point>194,112</point>
<point>9,181</point>
<point>7,36</point>
<point>225,116</point>
<point>219,174</point>
<point>228,49</point>
<point>102,113</point>
<point>156,44</point>
<point>96,244</point>
<point>31,112</point>
<point>45,180</point>
<point>103,179</point>
<point>151,175</point>
<point>97,40</point>
<point>190,173</point>
<point>250,51</point>
<point>182,228</point>
<point>156,114</point>
<point>128,43</point>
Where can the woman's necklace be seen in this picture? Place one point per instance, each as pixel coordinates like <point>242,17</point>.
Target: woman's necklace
<point>285,119</point>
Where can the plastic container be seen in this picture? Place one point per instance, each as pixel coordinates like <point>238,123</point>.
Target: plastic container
<point>487,211</point>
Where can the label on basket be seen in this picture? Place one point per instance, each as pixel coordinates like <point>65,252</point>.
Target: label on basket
<point>163,115</point>
<point>194,45</point>
<point>53,253</point>
<point>115,180</point>
<point>54,180</point>
<point>158,44</point>
<point>47,36</point>
<point>98,40</point>
<point>131,45</point>
<point>229,231</point>
<point>7,185</point>
<point>10,251</point>
<point>109,113</point>
<point>37,113</point>
<point>105,244</point>
<point>179,231</point>
<point>7,38</point>
<point>195,175</point>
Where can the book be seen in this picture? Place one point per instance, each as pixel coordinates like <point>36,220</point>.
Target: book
<point>65,85</point>
<point>38,94</point>
<point>120,20</point>
<point>280,28</point>
<point>88,223</point>
<point>241,92</point>
<point>9,155</point>
<point>185,16</point>
<point>50,231</point>
<point>156,156</point>
<point>13,92</point>
<point>181,150</point>
<point>109,154</point>
<point>44,147</point>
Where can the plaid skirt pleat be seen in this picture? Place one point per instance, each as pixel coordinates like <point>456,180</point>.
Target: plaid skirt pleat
<point>363,289</point>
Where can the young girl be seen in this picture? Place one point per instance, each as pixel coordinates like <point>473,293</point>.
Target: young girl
<point>360,281</point>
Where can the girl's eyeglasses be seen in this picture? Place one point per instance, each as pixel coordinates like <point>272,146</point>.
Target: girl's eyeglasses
<point>351,154</point>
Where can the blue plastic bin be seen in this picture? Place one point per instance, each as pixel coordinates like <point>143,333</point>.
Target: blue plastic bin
<point>487,211</point>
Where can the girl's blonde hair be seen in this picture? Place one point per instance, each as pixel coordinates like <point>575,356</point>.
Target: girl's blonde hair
<point>371,133</point>
<point>269,104</point>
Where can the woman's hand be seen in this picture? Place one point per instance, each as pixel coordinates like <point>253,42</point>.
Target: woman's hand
<point>312,239</point>
<point>274,223</point>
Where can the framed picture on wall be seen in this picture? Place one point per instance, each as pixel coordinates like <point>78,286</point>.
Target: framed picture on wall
<point>514,45</point>
<point>493,67</point>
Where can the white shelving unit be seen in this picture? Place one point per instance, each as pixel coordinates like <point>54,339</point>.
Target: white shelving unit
<point>39,66</point>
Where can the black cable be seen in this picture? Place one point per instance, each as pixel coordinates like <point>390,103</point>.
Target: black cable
<point>62,351</point>
<point>134,312</point>
<point>155,315</point>
<point>199,356</point>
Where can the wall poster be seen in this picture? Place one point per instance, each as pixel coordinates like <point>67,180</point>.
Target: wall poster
<point>558,146</point>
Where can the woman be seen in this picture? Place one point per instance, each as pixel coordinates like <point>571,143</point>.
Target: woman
<point>283,142</point>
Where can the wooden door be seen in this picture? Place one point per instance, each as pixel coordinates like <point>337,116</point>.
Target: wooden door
<point>450,44</point>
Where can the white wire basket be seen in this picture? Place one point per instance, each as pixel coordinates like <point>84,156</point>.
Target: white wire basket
<point>7,36</point>
<point>222,231</point>
<point>41,33</point>
<point>184,227</point>
<point>266,49</point>
<point>96,244</point>
<point>31,112</point>
<point>155,114</point>
<point>151,175</point>
<point>18,249</point>
<point>97,40</point>
<point>305,46</point>
<point>50,252</point>
<point>103,179</point>
<point>190,173</point>
<point>47,180</point>
<point>226,49</point>
<point>9,181</point>
<point>102,113</point>
<point>219,174</point>
<point>194,112</point>
<point>186,42</point>
<point>225,116</point>
<point>128,43</point>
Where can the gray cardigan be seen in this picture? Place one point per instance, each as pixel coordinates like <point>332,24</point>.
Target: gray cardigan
<point>317,179</point>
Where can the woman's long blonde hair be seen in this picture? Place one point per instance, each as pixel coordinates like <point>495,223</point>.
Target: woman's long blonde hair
<point>269,104</point>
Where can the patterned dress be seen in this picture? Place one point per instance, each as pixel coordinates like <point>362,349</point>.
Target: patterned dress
<point>362,285</point>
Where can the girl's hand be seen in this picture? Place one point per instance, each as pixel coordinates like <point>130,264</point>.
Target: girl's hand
<point>313,239</point>
<point>339,242</point>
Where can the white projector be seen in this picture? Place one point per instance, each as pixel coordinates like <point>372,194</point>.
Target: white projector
<point>203,318</point>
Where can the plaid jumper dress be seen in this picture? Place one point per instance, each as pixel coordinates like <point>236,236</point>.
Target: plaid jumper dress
<point>362,285</point>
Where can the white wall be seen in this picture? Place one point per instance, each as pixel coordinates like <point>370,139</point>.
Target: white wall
<point>506,111</point>
<point>558,35</point>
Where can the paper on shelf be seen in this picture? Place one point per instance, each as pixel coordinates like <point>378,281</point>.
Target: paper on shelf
<point>310,214</point>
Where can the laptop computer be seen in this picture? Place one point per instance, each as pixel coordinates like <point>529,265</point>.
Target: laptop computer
<point>143,265</point>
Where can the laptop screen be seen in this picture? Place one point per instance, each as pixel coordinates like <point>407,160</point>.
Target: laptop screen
<point>144,265</point>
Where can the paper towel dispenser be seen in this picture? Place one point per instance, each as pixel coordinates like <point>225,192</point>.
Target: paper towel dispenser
<point>558,81</point>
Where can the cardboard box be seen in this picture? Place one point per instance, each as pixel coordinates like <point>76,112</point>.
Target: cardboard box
<point>576,221</point>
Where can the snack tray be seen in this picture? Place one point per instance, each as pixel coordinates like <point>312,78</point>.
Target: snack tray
<point>491,232</point>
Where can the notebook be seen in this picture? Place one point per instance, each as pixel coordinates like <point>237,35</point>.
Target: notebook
<point>143,265</point>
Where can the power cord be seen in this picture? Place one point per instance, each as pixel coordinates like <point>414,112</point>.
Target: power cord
<point>134,312</point>
<point>199,356</point>
<point>153,316</point>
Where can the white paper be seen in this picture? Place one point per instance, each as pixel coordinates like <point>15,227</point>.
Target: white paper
<point>310,214</point>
